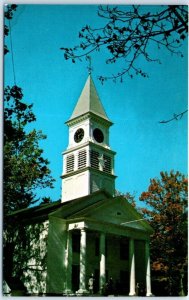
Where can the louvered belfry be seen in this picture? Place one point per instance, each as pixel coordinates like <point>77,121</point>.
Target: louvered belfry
<point>88,162</point>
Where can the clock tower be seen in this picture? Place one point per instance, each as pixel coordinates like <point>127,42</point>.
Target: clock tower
<point>88,162</point>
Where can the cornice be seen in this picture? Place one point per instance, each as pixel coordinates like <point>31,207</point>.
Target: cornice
<point>109,228</point>
<point>101,147</point>
<point>99,172</point>
<point>89,115</point>
<point>89,143</point>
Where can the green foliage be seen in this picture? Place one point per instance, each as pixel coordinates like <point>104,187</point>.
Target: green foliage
<point>24,246</point>
<point>24,167</point>
<point>129,197</point>
<point>46,200</point>
<point>166,210</point>
<point>9,11</point>
<point>25,255</point>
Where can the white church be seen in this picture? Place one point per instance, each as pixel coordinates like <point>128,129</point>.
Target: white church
<point>90,231</point>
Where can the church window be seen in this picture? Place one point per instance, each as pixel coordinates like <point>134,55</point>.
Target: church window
<point>124,250</point>
<point>124,282</point>
<point>94,155</point>
<point>70,163</point>
<point>76,242</point>
<point>82,159</point>
<point>107,164</point>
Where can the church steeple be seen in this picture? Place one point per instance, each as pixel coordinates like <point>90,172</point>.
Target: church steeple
<point>88,161</point>
<point>89,102</point>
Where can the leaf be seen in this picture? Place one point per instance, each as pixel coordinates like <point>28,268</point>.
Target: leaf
<point>182,37</point>
<point>98,39</point>
<point>136,46</point>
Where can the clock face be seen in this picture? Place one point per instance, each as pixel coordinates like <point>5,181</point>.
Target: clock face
<point>98,135</point>
<point>79,134</point>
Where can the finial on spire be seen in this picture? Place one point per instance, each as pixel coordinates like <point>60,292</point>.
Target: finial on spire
<point>89,67</point>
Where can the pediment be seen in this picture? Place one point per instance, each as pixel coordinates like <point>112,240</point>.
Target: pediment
<point>115,211</point>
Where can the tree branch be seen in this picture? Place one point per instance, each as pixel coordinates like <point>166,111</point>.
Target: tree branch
<point>175,117</point>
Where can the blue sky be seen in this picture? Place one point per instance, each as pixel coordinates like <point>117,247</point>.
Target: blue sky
<point>144,147</point>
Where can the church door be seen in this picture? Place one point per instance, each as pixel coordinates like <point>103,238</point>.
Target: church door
<point>96,282</point>
<point>124,283</point>
<point>75,277</point>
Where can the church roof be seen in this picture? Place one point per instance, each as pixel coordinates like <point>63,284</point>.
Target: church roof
<point>42,211</point>
<point>36,212</point>
<point>89,101</point>
<point>113,211</point>
<point>99,206</point>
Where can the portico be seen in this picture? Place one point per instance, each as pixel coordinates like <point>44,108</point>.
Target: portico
<point>100,253</point>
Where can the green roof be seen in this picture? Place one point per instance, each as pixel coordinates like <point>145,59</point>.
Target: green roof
<point>83,207</point>
<point>89,101</point>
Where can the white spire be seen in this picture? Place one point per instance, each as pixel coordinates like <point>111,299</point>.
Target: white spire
<point>89,101</point>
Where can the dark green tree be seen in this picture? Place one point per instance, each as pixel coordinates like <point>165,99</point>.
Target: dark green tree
<point>9,11</point>
<point>128,197</point>
<point>166,210</point>
<point>25,169</point>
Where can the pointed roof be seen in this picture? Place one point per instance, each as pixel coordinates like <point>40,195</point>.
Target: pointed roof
<point>89,101</point>
<point>106,210</point>
<point>99,207</point>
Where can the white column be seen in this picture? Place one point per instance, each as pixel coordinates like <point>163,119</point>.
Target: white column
<point>148,274</point>
<point>132,267</point>
<point>68,264</point>
<point>82,276</point>
<point>102,261</point>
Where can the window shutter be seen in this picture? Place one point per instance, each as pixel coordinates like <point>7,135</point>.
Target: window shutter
<point>82,159</point>
<point>70,163</point>
<point>94,162</point>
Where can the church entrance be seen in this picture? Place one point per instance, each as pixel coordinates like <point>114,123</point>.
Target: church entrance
<point>124,284</point>
<point>96,282</point>
<point>75,278</point>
